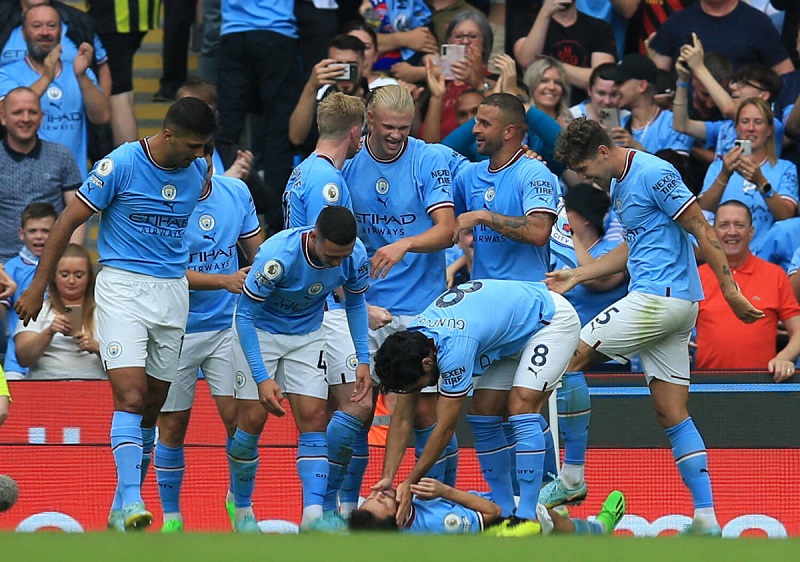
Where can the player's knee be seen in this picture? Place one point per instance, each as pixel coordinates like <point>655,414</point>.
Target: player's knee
<point>315,420</point>
<point>130,400</point>
<point>361,410</point>
<point>525,401</point>
<point>172,428</point>
<point>252,416</point>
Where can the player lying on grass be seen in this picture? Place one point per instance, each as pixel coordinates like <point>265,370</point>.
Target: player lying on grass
<point>437,508</point>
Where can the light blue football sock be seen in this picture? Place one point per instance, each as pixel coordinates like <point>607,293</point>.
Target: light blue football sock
<point>511,439</point>
<point>169,466</point>
<point>243,464</point>
<point>126,445</point>
<point>312,466</point>
<point>494,456</point>
<point>421,437</point>
<point>584,527</point>
<point>530,462</point>
<point>354,476</point>
<point>148,439</point>
<point>690,455</point>
<point>550,458</point>
<point>451,462</point>
<point>574,414</point>
<point>342,432</point>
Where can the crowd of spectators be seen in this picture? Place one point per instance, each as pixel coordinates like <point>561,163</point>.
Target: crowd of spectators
<point>711,82</point>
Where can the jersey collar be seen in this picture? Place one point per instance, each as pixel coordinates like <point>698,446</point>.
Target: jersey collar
<point>517,155</point>
<point>628,164</point>
<point>390,160</point>
<point>306,240</point>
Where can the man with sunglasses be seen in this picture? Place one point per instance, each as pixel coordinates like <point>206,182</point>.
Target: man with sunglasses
<point>513,357</point>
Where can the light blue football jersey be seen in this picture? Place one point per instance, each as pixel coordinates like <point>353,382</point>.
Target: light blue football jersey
<point>783,178</point>
<point>16,49</point>
<point>794,265</point>
<point>225,216</point>
<point>780,243</point>
<point>588,303</point>
<point>442,517</point>
<point>520,187</point>
<point>455,160</point>
<point>252,15</point>
<point>64,120</point>
<point>478,322</point>
<point>21,269</point>
<point>145,210</point>
<point>648,198</point>
<point>315,183</point>
<point>659,134</point>
<point>393,200</point>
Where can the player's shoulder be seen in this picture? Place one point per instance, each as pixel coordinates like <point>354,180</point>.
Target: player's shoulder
<point>233,187</point>
<point>279,252</point>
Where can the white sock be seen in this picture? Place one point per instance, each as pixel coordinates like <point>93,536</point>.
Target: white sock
<point>242,512</point>
<point>706,517</point>
<point>571,475</point>
<point>173,516</point>
<point>311,513</point>
<point>346,508</point>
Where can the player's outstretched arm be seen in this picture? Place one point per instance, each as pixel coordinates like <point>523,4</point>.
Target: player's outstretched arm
<point>397,438</point>
<point>693,222</point>
<point>428,488</point>
<point>30,302</point>
<point>562,280</point>
<point>231,282</point>
<point>531,229</point>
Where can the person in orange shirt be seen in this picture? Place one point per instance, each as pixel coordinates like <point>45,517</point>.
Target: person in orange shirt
<point>723,342</point>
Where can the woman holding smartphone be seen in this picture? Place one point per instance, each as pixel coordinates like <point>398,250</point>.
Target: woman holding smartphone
<point>61,343</point>
<point>766,184</point>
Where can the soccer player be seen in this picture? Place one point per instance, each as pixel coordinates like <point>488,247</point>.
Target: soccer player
<point>441,509</point>
<point>656,318</point>
<point>317,183</point>
<point>147,191</point>
<point>513,356</point>
<point>400,188</point>
<point>278,327</point>
<point>222,220</point>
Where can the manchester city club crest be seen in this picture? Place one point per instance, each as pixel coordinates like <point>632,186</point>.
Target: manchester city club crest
<point>272,269</point>
<point>104,167</point>
<point>169,192</point>
<point>206,223</point>
<point>618,204</point>
<point>351,361</point>
<point>330,192</point>
<point>315,289</point>
<point>382,186</point>
<point>240,379</point>
<point>54,93</point>
<point>488,196</point>
<point>113,349</point>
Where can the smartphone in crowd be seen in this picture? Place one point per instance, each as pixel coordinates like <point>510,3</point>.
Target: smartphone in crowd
<point>349,71</point>
<point>609,117</point>
<point>451,53</point>
<point>746,146</point>
<point>75,316</point>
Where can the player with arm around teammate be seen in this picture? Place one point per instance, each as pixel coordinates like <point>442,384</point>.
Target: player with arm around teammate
<point>225,218</point>
<point>147,191</point>
<point>513,358</point>
<point>656,318</point>
<point>278,329</point>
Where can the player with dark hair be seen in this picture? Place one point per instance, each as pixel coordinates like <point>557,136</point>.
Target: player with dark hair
<point>656,318</point>
<point>146,190</point>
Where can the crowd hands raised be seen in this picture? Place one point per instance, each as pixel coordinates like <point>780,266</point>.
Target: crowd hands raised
<point>493,177</point>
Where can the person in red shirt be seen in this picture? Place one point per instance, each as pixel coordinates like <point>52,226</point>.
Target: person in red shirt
<point>723,342</point>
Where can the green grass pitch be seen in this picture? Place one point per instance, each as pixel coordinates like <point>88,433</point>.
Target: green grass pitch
<point>199,547</point>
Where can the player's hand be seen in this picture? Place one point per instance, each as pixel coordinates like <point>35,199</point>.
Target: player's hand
<point>234,282</point>
<point>429,488</point>
<point>742,308</point>
<point>60,325</point>
<point>385,258</point>
<point>270,396</point>
<point>403,497</point>
<point>381,485</point>
<point>83,60</point>
<point>86,342</point>
<point>436,85</point>
<point>51,63</point>
<point>560,281</point>
<point>466,221</point>
<point>240,168</point>
<point>532,154</point>
<point>378,317</point>
<point>363,385</point>
<point>421,40</point>
<point>781,369</point>
<point>7,285</point>
<point>29,304</point>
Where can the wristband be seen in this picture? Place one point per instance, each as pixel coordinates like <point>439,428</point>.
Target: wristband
<point>681,84</point>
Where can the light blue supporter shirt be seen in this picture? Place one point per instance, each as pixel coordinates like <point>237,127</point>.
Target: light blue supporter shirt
<point>721,134</point>
<point>648,199</point>
<point>21,269</point>
<point>225,216</point>
<point>442,517</point>
<point>479,322</point>
<point>145,210</point>
<point>64,120</point>
<point>783,178</point>
<point>659,134</point>
<point>258,15</point>
<point>393,200</point>
<point>285,291</point>
<point>522,186</point>
<point>780,243</point>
